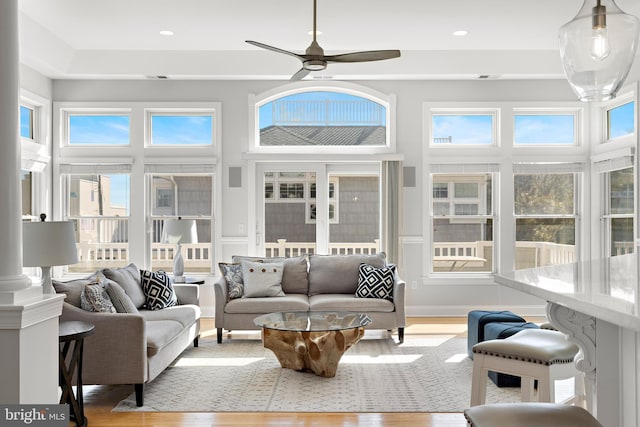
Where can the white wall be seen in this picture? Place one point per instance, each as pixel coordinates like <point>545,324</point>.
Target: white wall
<point>423,299</point>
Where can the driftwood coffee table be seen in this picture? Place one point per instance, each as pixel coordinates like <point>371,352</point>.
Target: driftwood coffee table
<point>311,341</point>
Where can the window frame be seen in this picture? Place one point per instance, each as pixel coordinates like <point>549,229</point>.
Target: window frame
<point>458,172</point>
<point>577,114</point>
<point>494,112</point>
<point>548,169</point>
<point>65,125</point>
<point>186,112</point>
<point>387,101</point>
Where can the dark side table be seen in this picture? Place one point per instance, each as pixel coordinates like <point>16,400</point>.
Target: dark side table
<point>71,335</point>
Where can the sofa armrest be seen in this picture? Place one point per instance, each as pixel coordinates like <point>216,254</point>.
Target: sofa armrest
<point>399,301</point>
<point>116,353</point>
<point>220,292</point>
<point>187,293</point>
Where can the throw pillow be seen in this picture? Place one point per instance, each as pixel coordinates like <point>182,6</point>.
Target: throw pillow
<point>375,282</point>
<point>94,298</point>
<point>129,278</point>
<point>262,279</point>
<point>73,288</point>
<point>232,274</point>
<point>119,298</point>
<point>158,290</point>
<point>294,275</point>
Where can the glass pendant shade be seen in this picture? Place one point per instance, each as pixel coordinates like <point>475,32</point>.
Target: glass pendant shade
<point>597,49</point>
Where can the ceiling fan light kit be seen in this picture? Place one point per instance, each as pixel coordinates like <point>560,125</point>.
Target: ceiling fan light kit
<point>597,48</point>
<point>314,58</point>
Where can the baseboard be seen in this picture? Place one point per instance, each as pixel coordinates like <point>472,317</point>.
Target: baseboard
<point>463,310</point>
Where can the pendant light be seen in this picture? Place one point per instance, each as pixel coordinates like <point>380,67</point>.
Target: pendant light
<point>597,49</point>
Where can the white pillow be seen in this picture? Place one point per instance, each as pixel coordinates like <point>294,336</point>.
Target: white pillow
<point>262,279</point>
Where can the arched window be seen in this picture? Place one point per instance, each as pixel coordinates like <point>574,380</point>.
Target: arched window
<point>325,119</point>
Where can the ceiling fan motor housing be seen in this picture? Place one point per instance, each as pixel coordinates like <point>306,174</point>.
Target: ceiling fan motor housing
<point>314,65</point>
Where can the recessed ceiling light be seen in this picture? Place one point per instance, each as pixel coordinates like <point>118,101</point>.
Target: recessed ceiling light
<point>166,32</point>
<point>460,33</point>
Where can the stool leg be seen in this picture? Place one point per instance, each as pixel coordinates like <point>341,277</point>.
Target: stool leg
<point>479,381</point>
<point>546,390</point>
<point>526,388</point>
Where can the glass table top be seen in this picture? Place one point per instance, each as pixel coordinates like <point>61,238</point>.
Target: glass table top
<point>312,321</point>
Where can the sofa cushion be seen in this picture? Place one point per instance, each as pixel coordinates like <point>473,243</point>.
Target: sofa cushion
<point>186,315</point>
<point>94,298</point>
<point>294,276</point>
<point>289,302</point>
<point>73,288</point>
<point>129,278</point>
<point>160,333</point>
<point>232,274</point>
<point>376,282</point>
<point>338,274</point>
<point>119,297</point>
<point>262,279</point>
<point>157,289</point>
<point>344,302</point>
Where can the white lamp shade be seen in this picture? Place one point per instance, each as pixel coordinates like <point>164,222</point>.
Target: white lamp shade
<point>48,243</point>
<point>597,49</point>
<point>180,231</point>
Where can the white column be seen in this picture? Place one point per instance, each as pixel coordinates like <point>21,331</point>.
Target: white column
<point>28,319</point>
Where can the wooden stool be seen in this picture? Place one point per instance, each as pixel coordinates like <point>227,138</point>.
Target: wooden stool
<point>531,354</point>
<point>529,415</point>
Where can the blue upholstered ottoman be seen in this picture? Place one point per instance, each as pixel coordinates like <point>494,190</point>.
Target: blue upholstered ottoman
<point>501,330</point>
<point>476,321</point>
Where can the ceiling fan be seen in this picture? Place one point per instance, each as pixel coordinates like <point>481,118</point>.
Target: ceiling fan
<point>314,58</point>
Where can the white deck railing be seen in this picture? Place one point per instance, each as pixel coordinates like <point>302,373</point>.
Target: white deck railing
<point>283,248</point>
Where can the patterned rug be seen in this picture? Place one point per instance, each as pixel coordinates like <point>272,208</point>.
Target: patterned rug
<point>430,374</point>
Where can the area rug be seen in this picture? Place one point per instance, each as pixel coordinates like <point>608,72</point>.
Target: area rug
<point>430,374</point>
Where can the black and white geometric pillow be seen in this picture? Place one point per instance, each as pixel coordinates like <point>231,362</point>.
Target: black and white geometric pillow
<point>375,282</point>
<point>157,289</point>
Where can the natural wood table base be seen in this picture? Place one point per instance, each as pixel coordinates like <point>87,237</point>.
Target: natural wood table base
<point>318,352</point>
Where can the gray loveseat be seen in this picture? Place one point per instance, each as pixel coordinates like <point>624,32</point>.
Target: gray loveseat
<point>132,347</point>
<point>314,283</point>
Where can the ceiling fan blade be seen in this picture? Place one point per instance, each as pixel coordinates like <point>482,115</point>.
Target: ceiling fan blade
<point>370,55</point>
<point>275,49</point>
<point>302,72</point>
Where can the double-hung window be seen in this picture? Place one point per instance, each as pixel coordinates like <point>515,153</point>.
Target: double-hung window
<point>545,210</point>
<point>462,218</point>
<point>187,195</point>
<point>97,200</point>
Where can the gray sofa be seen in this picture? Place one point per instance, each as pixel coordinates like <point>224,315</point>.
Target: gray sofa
<point>132,347</point>
<point>314,283</point>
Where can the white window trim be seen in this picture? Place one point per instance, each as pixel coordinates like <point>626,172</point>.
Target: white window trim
<point>212,111</point>
<point>464,111</point>
<point>577,114</point>
<point>169,159</point>
<point>256,101</point>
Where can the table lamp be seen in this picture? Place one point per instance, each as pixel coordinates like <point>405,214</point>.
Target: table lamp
<point>45,244</point>
<point>177,232</point>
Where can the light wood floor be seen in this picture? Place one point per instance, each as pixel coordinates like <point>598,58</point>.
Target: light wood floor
<point>99,400</point>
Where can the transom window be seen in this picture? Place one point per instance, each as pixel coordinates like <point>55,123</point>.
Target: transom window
<point>463,127</point>
<point>620,121</point>
<point>99,128</point>
<point>27,122</point>
<point>322,119</point>
<point>541,128</point>
<point>188,128</point>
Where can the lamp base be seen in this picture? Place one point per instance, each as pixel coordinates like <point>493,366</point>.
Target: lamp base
<point>47,286</point>
<point>178,266</point>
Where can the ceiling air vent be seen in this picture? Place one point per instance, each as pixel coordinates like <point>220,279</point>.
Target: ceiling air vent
<point>159,77</point>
